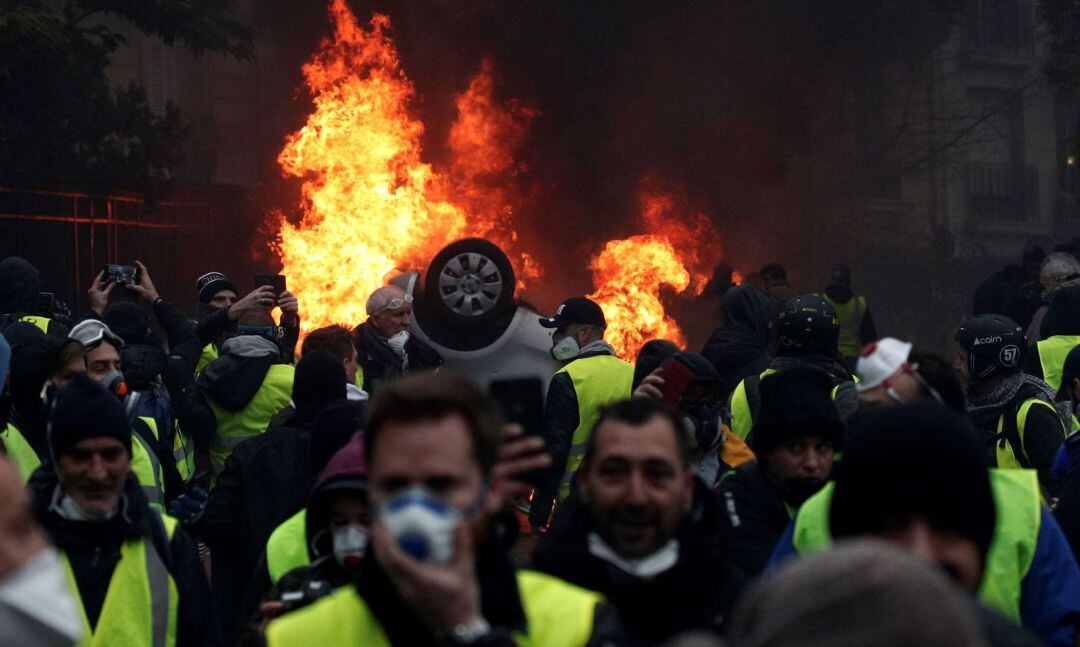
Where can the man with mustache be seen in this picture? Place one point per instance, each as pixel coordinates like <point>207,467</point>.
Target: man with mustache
<point>795,437</point>
<point>642,528</point>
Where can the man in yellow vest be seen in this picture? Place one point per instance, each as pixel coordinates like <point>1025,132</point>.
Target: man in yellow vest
<point>244,388</point>
<point>989,530</point>
<point>1060,334</point>
<point>435,568</point>
<point>1015,412</point>
<point>136,575</point>
<point>591,378</point>
<point>856,325</point>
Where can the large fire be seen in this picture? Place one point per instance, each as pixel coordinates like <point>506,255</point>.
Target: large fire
<point>372,207</point>
<point>678,252</point>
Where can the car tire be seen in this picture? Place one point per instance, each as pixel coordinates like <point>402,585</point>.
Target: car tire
<point>470,283</point>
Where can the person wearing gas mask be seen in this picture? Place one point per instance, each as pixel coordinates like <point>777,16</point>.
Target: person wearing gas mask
<point>219,309</point>
<point>642,529</point>
<point>796,436</point>
<point>437,566</point>
<point>337,536</point>
<point>243,388</point>
<point>808,331</point>
<point>385,346</point>
<point>152,461</point>
<point>591,378</point>
<point>1014,412</point>
<point>21,299</point>
<point>136,574</point>
<point>262,480</point>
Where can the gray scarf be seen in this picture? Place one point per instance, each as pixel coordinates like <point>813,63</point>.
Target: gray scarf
<point>985,408</point>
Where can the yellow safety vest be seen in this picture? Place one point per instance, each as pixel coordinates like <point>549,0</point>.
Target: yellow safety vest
<point>598,381</point>
<point>209,354</point>
<point>20,452</point>
<point>742,417</point>
<point>558,615</point>
<point>1052,354</point>
<point>234,427</point>
<point>287,547</point>
<point>1018,506</point>
<point>41,322</point>
<point>146,466</point>
<point>1004,451</point>
<point>142,601</point>
<point>184,453</point>
<point>850,315</point>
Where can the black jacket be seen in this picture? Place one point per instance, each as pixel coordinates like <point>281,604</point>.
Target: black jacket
<point>93,549</point>
<point>262,481</point>
<point>697,593</point>
<point>741,348</point>
<point>756,516</point>
<point>380,363</point>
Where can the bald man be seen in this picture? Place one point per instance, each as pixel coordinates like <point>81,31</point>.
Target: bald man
<point>384,346</point>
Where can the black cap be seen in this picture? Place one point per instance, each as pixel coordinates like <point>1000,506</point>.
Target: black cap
<point>576,310</point>
<point>795,402</point>
<point>1069,372</point>
<point>84,409</point>
<point>210,284</point>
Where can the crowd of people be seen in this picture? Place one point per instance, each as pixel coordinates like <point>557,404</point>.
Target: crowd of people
<point>221,479</point>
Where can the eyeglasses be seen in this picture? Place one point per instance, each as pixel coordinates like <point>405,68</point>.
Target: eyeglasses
<point>91,333</point>
<point>397,303</point>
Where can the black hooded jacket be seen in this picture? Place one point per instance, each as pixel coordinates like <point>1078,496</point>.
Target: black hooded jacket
<point>696,593</point>
<point>742,346</point>
<point>756,516</point>
<point>93,550</point>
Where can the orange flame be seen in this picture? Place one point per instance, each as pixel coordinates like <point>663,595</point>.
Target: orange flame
<point>484,140</point>
<point>679,251</point>
<point>371,206</point>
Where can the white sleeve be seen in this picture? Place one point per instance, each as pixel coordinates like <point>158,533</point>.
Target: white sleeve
<point>37,607</point>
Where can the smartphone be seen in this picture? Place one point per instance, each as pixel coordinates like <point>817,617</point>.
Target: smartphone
<point>522,402</point>
<point>277,281</point>
<point>677,374</point>
<point>121,275</point>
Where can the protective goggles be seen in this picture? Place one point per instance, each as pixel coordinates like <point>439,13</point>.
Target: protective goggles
<point>397,303</point>
<point>91,333</point>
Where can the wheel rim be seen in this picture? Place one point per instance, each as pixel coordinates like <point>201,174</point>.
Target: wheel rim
<point>470,284</point>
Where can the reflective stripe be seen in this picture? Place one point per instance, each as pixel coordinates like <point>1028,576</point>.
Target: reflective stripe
<point>157,577</point>
<point>149,472</point>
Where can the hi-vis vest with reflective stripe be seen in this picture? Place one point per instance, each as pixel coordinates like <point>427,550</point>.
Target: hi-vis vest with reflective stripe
<point>1004,451</point>
<point>287,547</point>
<point>234,427</point>
<point>146,466</point>
<point>183,453</point>
<point>1018,505</point>
<point>558,615</point>
<point>142,601</point>
<point>1052,354</point>
<point>850,315</point>
<point>41,322</point>
<point>598,381</point>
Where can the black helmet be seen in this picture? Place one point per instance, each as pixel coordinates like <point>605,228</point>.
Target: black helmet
<point>995,344</point>
<point>808,326</point>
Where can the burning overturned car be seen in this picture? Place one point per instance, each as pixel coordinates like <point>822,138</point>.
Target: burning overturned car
<point>464,306</point>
